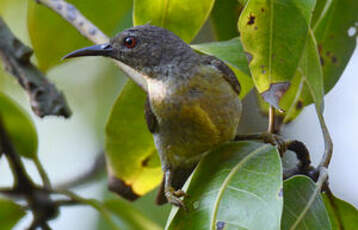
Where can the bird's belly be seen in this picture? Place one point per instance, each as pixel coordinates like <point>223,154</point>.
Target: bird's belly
<point>189,129</point>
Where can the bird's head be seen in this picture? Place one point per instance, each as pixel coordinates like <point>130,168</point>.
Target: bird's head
<point>148,49</point>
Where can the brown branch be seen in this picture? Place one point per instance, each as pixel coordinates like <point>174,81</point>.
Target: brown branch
<point>72,15</point>
<point>45,99</point>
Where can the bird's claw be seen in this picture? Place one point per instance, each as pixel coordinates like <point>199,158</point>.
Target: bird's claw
<point>276,140</point>
<point>173,197</point>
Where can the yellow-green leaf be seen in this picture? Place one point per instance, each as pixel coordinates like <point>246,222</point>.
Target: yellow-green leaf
<point>307,85</point>
<point>19,126</point>
<point>343,215</point>
<point>182,17</point>
<point>130,151</point>
<point>274,32</point>
<point>10,214</point>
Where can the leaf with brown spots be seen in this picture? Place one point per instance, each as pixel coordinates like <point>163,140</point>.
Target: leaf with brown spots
<point>335,42</point>
<point>267,33</point>
<point>307,85</point>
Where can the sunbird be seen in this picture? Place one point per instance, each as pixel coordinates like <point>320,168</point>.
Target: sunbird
<point>192,99</point>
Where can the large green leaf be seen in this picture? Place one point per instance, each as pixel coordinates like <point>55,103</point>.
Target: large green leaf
<point>224,18</point>
<point>307,85</point>
<point>274,32</point>
<point>130,151</point>
<point>182,17</point>
<point>10,214</point>
<point>52,37</point>
<point>232,53</point>
<point>236,186</point>
<point>335,39</point>
<point>303,206</point>
<point>343,215</point>
<point>19,127</point>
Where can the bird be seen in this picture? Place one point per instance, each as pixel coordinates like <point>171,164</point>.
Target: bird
<point>192,103</point>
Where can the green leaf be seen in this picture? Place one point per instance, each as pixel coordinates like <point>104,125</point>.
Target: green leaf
<point>318,10</point>
<point>130,151</point>
<point>182,17</point>
<point>236,186</point>
<point>10,214</point>
<point>132,218</point>
<point>303,207</point>
<point>224,18</point>
<point>307,85</point>
<point>19,127</point>
<point>232,53</point>
<point>274,33</point>
<point>336,46</point>
<point>56,37</point>
<point>343,215</point>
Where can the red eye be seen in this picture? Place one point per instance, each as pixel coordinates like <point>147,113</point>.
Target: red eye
<point>130,42</point>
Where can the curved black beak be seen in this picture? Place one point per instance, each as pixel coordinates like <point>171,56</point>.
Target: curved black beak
<point>96,50</point>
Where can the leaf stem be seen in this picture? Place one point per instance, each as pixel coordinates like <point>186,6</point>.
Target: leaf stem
<point>328,144</point>
<point>42,172</point>
<point>271,120</point>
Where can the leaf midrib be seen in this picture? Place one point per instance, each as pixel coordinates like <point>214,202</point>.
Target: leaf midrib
<point>227,181</point>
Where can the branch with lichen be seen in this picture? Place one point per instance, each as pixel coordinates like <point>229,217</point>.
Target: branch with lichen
<point>45,99</point>
<point>72,15</point>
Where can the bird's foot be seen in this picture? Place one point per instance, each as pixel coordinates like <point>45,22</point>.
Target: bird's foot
<point>266,137</point>
<point>174,196</point>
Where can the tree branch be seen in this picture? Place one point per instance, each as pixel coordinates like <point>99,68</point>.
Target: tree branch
<point>89,31</point>
<point>38,198</point>
<point>45,99</point>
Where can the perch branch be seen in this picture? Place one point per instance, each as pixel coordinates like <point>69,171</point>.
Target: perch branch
<point>72,15</point>
<point>45,99</point>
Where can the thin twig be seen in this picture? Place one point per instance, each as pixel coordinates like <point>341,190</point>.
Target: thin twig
<point>328,144</point>
<point>89,31</point>
<point>42,172</point>
<point>271,120</point>
<point>44,97</point>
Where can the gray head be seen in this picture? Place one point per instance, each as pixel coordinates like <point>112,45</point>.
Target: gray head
<point>148,49</point>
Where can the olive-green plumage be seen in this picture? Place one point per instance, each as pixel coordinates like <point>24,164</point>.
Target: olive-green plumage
<point>192,102</point>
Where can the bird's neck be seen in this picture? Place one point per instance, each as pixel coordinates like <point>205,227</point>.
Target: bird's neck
<point>179,65</point>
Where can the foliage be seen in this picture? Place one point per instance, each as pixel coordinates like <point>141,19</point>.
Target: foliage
<point>291,51</point>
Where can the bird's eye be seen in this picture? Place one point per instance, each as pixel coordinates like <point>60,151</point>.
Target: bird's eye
<point>130,42</point>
